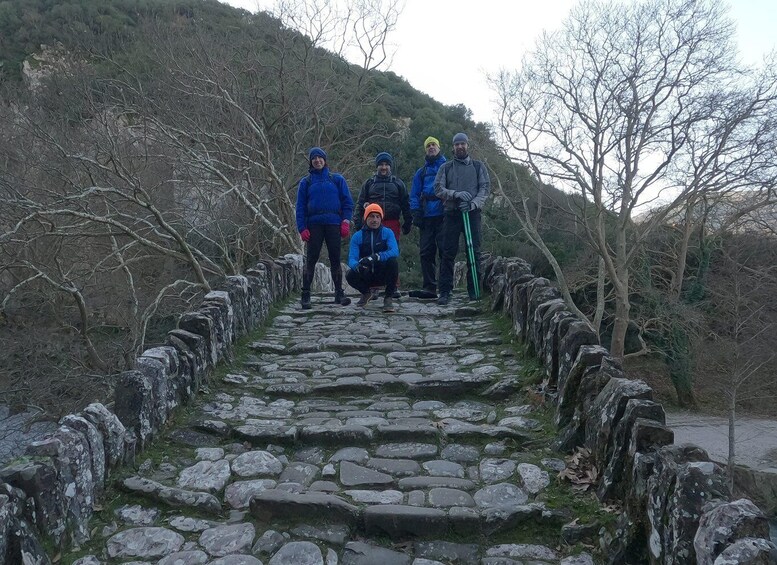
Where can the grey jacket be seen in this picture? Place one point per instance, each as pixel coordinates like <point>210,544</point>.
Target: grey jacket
<point>459,175</point>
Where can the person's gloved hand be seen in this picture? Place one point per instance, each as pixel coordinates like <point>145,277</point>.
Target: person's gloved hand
<point>466,206</point>
<point>418,218</point>
<point>345,228</point>
<point>464,196</point>
<point>305,235</point>
<point>407,226</point>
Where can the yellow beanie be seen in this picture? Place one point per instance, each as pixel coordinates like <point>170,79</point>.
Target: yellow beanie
<point>429,140</point>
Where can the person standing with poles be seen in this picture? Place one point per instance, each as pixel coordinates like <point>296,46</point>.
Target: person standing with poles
<point>427,211</point>
<point>463,185</point>
<point>324,208</point>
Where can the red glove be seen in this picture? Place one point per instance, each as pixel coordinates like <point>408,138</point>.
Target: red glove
<point>305,235</point>
<point>345,228</point>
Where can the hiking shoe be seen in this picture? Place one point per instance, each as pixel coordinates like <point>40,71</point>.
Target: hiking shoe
<point>365,298</point>
<point>445,297</point>
<point>397,295</point>
<point>388,305</point>
<point>341,299</point>
<point>375,293</point>
<point>305,302</point>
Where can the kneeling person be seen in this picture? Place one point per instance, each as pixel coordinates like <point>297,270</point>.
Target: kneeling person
<point>373,258</point>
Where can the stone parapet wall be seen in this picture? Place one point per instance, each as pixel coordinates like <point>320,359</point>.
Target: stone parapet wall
<point>676,505</point>
<point>50,493</point>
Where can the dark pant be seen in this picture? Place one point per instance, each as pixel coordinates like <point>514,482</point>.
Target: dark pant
<point>430,246</point>
<point>453,227</point>
<point>319,234</point>
<point>384,273</point>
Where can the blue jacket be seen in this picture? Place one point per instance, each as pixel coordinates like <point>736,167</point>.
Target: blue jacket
<point>365,242</point>
<point>423,185</point>
<point>323,198</point>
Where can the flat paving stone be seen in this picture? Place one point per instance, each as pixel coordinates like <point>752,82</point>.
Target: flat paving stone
<point>256,464</point>
<point>352,475</point>
<point>239,493</point>
<point>231,538</point>
<point>298,553</point>
<point>145,543</point>
<point>406,450</point>
<point>208,476</point>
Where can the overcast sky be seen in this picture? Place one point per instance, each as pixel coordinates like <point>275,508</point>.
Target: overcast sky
<point>446,49</point>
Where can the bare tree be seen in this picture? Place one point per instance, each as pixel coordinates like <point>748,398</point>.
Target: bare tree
<point>606,105</point>
<point>738,357</point>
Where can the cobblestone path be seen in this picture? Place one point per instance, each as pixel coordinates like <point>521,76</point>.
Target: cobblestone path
<point>349,436</point>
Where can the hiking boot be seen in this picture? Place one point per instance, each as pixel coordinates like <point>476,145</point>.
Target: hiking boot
<point>305,302</point>
<point>445,297</point>
<point>365,298</point>
<point>388,305</point>
<point>341,299</point>
<point>397,295</point>
<point>375,293</point>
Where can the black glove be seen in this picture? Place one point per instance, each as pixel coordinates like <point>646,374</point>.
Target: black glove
<point>466,206</point>
<point>369,260</point>
<point>406,227</point>
<point>464,196</point>
<point>418,218</point>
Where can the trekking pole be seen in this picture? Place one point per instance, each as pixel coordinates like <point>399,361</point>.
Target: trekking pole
<point>471,255</point>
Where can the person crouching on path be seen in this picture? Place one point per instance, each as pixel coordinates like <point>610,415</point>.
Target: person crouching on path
<point>372,258</point>
<point>324,208</point>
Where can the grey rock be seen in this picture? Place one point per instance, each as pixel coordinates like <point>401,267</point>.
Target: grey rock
<point>136,515</point>
<point>448,552</point>
<point>460,453</point>
<point>268,543</point>
<point>193,557</point>
<point>177,498</point>
<point>144,543</point>
<point>411,483</point>
<point>297,472</point>
<point>239,493</point>
<point>500,496</point>
<point>87,560</point>
<point>406,450</point>
<point>533,478</point>
<point>522,551</point>
<point>353,454</point>
<point>188,524</point>
<point>272,505</point>
<point>376,496</point>
<point>496,470</point>
<point>447,497</point>
<point>209,453</point>
<point>236,560</point>
<point>232,538</point>
<point>354,475</point>
<point>749,551</point>
<point>298,553</point>
<point>360,553</point>
<point>726,523</point>
<point>336,534</point>
<point>256,464</point>
<point>580,559</point>
<point>396,467</point>
<point>444,469</point>
<point>348,434</point>
<point>208,476</point>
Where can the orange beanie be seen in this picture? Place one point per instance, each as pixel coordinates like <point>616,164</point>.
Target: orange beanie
<point>373,208</point>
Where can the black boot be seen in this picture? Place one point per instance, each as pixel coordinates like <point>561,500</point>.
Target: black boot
<point>305,302</point>
<point>341,299</point>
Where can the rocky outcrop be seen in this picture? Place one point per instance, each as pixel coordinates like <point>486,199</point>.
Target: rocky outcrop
<point>52,491</point>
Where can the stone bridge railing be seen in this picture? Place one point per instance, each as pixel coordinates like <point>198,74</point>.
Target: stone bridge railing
<point>676,504</point>
<point>51,492</point>
<point>676,507</point>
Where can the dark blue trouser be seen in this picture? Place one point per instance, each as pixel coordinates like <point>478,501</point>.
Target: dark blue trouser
<point>430,247</point>
<point>384,273</point>
<point>453,227</point>
<point>320,233</point>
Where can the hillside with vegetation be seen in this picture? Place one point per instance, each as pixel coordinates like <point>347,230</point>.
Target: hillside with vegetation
<point>151,147</point>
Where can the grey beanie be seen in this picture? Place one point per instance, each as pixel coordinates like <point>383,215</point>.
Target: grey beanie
<point>460,138</point>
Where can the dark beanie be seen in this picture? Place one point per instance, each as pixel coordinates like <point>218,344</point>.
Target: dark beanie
<point>383,156</point>
<point>316,152</point>
<point>460,138</point>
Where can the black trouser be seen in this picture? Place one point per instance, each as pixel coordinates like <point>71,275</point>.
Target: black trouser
<point>383,273</point>
<point>430,246</point>
<point>453,227</point>
<point>320,233</point>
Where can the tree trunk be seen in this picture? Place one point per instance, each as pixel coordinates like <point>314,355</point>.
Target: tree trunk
<point>732,405</point>
<point>682,253</point>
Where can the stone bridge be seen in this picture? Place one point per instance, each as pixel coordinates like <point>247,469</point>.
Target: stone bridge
<point>346,435</point>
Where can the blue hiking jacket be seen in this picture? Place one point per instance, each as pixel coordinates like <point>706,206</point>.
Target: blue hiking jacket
<point>423,185</point>
<point>365,242</point>
<point>323,198</point>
